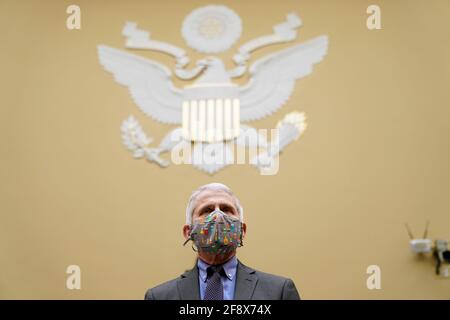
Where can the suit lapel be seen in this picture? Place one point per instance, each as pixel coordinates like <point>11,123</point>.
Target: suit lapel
<point>245,282</point>
<point>188,285</point>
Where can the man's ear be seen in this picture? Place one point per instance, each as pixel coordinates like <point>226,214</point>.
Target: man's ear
<point>186,231</point>
<point>244,229</point>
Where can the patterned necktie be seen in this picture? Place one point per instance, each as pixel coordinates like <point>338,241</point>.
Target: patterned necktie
<point>214,287</point>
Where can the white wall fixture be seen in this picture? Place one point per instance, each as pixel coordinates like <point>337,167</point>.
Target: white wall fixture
<point>439,251</point>
<point>211,108</point>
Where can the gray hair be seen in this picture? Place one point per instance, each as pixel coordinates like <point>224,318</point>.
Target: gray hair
<point>216,187</point>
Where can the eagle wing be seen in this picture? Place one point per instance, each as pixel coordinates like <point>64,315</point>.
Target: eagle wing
<point>273,77</point>
<point>149,83</point>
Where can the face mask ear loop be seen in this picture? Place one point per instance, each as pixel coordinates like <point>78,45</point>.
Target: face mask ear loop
<point>193,244</point>
<point>241,244</point>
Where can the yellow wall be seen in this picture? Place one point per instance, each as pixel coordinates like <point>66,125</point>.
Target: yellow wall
<point>375,154</point>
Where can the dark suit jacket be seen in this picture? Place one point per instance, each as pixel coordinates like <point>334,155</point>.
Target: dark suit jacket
<point>250,285</point>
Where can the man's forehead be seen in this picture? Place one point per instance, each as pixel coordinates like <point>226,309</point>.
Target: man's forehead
<point>213,196</point>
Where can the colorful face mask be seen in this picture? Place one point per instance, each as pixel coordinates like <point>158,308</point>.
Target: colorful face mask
<point>218,233</point>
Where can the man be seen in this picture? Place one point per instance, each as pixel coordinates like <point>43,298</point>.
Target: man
<point>214,222</point>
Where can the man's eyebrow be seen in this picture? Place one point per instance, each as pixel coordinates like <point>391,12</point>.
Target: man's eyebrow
<point>227,205</point>
<point>205,206</point>
<point>222,204</point>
